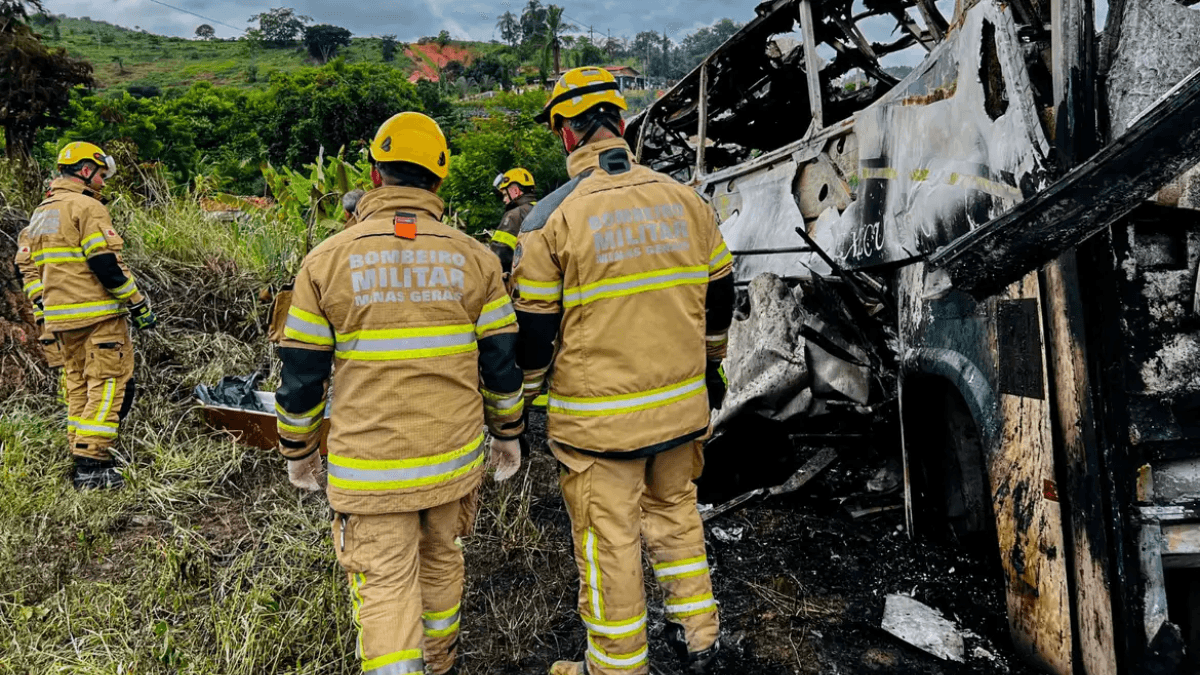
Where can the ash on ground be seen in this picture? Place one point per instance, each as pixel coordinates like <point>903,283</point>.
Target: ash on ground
<point>801,578</point>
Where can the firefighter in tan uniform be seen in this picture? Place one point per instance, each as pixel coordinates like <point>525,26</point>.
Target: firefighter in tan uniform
<point>31,279</point>
<point>627,267</point>
<point>85,293</point>
<point>424,335</point>
<point>516,189</point>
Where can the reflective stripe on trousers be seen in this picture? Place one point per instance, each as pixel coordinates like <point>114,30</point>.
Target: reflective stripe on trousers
<point>407,662</point>
<point>681,569</point>
<point>441,624</point>
<point>678,608</point>
<point>397,474</point>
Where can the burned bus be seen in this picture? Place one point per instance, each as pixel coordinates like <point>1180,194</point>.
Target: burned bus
<point>1023,202</point>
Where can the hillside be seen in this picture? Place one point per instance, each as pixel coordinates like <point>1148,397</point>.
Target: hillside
<point>124,57</point>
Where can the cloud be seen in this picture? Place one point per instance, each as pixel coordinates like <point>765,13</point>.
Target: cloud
<point>411,19</point>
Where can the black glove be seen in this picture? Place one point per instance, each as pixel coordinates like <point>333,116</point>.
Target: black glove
<point>714,379</point>
<point>142,316</point>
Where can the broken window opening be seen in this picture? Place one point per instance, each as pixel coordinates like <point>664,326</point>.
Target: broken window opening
<point>995,95</point>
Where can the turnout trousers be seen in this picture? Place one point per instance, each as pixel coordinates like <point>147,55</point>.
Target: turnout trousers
<point>613,504</point>
<point>406,580</point>
<point>98,383</point>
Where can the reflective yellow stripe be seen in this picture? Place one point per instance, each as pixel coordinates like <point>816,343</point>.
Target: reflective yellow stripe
<point>357,579</point>
<point>407,662</point>
<point>616,630</point>
<point>110,386</point>
<point>635,283</point>
<point>441,624</point>
<point>125,290</point>
<point>92,242</point>
<point>33,288</point>
<point>307,327</point>
<point>58,255</point>
<point>697,604</point>
<point>504,238</point>
<point>620,661</point>
<point>302,423</point>
<point>82,310</point>
<point>495,314</point>
<point>593,571</point>
<point>86,427</point>
<point>398,474</point>
<point>406,343</point>
<point>626,403</point>
<point>503,404</point>
<point>539,290</point>
<point>681,569</point>
<point>720,258</point>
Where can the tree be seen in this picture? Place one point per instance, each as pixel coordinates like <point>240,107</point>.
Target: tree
<point>587,53</point>
<point>35,81</point>
<point>387,46</point>
<point>323,41</point>
<point>705,41</point>
<point>553,35</point>
<point>533,22</point>
<point>510,28</point>
<point>205,32</point>
<point>281,27</point>
<point>443,38</point>
<point>333,106</point>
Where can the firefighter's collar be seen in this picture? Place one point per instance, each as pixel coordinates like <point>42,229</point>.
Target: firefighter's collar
<point>588,157</point>
<point>390,198</point>
<point>64,184</point>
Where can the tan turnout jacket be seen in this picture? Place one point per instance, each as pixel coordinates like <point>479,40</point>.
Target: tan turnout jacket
<point>412,323</point>
<point>625,254</point>
<point>66,230</point>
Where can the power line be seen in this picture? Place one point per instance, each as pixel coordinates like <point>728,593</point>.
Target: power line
<point>180,9</point>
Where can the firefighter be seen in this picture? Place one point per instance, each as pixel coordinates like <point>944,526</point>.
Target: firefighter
<point>516,189</point>
<point>629,266</point>
<point>85,293</point>
<point>424,334</point>
<point>31,278</point>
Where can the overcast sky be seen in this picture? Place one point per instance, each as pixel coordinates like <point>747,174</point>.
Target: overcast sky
<point>410,19</point>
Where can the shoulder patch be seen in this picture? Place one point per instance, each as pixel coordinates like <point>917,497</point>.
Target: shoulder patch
<point>545,208</point>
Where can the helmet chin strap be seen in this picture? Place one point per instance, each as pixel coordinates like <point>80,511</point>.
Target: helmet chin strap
<point>572,142</point>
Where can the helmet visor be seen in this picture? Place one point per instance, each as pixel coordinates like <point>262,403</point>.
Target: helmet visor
<point>499,182</point>
<point>110,167</point>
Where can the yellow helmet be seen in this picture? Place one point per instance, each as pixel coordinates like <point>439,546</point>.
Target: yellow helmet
<point>518,176</point>
<point>412,137</point>
<point>74,153</point>
<point>578,91</point>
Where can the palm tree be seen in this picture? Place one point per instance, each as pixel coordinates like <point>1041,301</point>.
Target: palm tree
<point>552,31</point>
<point>510,28</point>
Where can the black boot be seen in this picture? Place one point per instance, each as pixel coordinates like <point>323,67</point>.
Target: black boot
<point>95,474</point>
<point>697,663</point>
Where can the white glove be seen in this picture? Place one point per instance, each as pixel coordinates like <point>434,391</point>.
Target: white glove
<point>307,473</point>
<point>506,458</point>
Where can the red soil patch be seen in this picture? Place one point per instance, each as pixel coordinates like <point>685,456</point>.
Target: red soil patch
<point>422,55</point>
